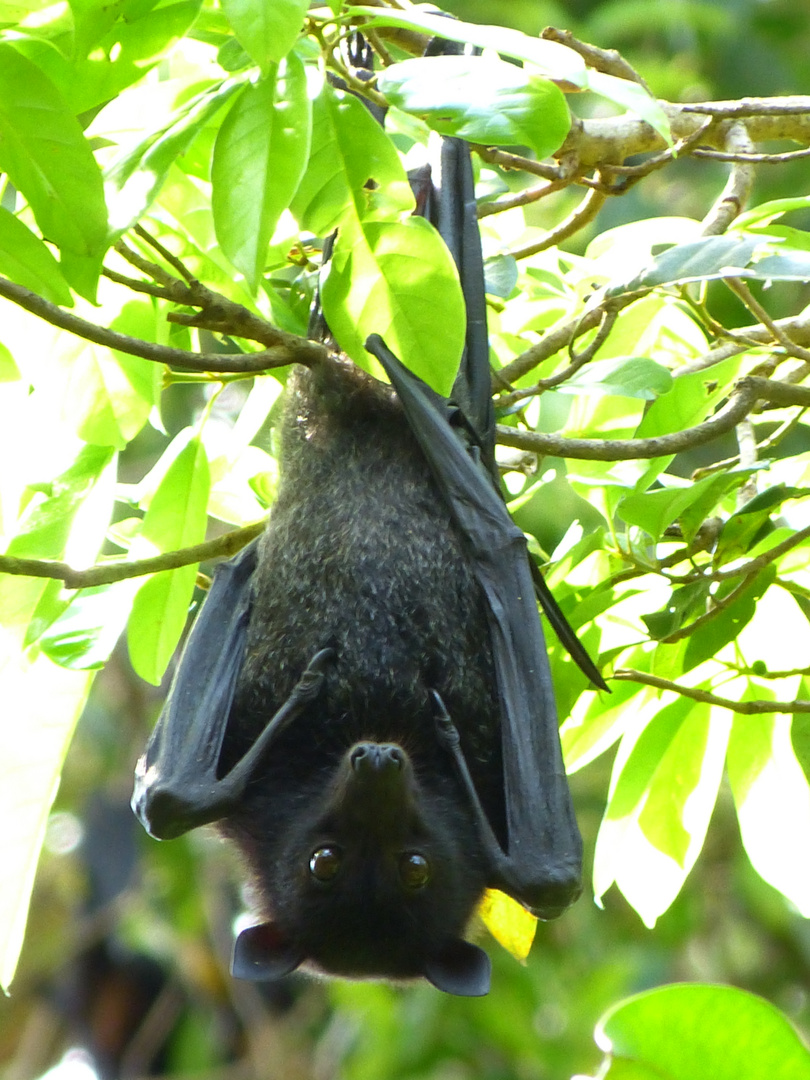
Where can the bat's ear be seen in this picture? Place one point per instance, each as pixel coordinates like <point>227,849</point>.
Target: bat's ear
<point>261,954</point>
<point>460,968</point>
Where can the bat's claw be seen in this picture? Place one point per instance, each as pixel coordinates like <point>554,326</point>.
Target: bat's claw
<point>310,682</point>
<point>445,728</point>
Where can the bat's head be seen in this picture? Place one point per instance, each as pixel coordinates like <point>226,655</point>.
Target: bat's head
<point>375,879</point>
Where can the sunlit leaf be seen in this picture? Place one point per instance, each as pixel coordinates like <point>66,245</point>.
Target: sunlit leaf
<point>259,158</point>
<point>551,59</point>
<point>353,172</point>
<point>45,153</point>
<point>176,518</point>
<point>397,279</point>
<point>773,802</point>
<point>510,924</point>
<point>481,99</point>
<point>45,702</point>
<point>692,1031</point>
<point>267,31</point>
<point>25,259</point>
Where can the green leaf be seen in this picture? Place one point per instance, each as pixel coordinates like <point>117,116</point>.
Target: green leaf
<point>692,1031</point>
<point>683,603</point>
<point>769,211</point>
<point>692,517</point>
<point>25,259</point>
<point>176,518</point>
<point>135,178</point>
<point>354,171</point>
<point>46,525</point>
<point>397,279</point>
<point>691,399</point>
<point>782,266</point>
<point>500,275</point>
<point>45,702</point>
<point>482,99</point>
<point>555,61</point>
<point>700,260</point>
<point>85,635</point>
<point>709,639</point>
<point>267,31</point>
<point>102,392</point>
<point>633,377</point>
<point>259,158</point>
<point>800,733</point>
<point>630,95</point>
<point>48,159</point>
<point>744,528</point>
<point>54,513</point>
<point>604,722</point>
<point>647,844</point>
<point>772,797</point>
<point>137,36</point>
<point>9,372</point>
<point>653,511</point>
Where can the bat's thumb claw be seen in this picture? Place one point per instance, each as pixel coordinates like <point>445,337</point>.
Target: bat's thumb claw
<point>445,728</point>
<point>310,681</point>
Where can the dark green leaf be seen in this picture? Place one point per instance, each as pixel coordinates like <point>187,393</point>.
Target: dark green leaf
<point>709,639</point>
<point>700,260</point>
<point>481,99</point>
<point>633,377</point>
<point>684,603</point>
<point>553,60</point>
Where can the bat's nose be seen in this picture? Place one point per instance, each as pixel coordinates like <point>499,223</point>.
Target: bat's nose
<point>370,757</point>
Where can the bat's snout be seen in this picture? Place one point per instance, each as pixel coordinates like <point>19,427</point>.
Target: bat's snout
<point>368,758</point>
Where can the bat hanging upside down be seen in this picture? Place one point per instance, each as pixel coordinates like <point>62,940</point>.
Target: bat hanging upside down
<point>364,704</point>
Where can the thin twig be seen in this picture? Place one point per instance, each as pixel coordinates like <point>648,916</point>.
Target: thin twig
<point>747,708</point>
<point>743,397</point>
<point>576,220</point>
<point>288,348</point>
<point>106,573</point>
<point>521,198</point>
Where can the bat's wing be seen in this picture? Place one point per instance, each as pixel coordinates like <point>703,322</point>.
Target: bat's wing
<point>542,865</point>
<point>177,783</point>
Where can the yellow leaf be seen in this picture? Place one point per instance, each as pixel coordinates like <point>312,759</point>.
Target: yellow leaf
<point>510,924</point>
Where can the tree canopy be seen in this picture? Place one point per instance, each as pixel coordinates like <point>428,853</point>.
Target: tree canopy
<point>168,175</point>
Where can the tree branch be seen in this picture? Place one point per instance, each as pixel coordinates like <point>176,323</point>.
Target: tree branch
<point>287,348</point>
<point>120,570</point>
<point>747,708</point>
<point>743,397</point>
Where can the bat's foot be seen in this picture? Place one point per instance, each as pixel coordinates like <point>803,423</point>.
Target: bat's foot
<point>310,682</point>
<point>446,730</point>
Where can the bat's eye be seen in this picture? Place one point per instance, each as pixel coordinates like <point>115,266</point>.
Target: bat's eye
<point>325,863</point>
<point>414,870</point>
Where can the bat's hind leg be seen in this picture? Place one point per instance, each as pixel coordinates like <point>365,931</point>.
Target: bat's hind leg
<point>175,794</point>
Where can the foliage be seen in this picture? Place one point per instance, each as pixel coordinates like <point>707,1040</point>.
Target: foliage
<point>169,173</point>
